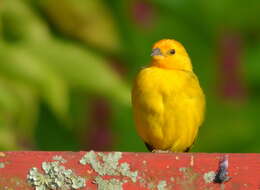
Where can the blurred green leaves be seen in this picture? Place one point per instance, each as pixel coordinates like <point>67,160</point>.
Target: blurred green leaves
<point>83,69</point>
<point>88,21</point>
<point>37,67</point>
<point>24,68</point>
<point>20,23</point>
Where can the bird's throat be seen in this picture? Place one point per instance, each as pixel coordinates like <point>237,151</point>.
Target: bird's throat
<point>173,66</point>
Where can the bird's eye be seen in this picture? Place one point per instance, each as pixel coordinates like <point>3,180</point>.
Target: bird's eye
<point>172,51</point>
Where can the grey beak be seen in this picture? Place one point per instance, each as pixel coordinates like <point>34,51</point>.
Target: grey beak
<point>156,51</point>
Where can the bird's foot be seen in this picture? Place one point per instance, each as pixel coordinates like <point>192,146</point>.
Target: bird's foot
<point>161,151</point>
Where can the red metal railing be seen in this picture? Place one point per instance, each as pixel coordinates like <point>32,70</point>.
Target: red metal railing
<point>127,171</point>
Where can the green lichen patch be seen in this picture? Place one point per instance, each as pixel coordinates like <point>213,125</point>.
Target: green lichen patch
<point>59,158</point>
<point>55,176</point>
<point>109,184</point>
<point>188,180</point>
<point>107,164</point>
<point>162,185</point>
<point>184,170</point>
<point>2,165</point>
<point>209,177</point>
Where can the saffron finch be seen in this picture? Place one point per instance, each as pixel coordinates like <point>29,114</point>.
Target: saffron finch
<point>168,102</point>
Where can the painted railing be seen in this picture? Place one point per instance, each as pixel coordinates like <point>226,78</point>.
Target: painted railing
<point>128,171</point>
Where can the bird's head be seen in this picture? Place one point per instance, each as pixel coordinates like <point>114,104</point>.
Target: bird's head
<point>170,54</point>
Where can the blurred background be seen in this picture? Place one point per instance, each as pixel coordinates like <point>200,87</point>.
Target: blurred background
<point>67,66</point>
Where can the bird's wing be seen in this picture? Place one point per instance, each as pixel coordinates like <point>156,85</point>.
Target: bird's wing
<point>195,94</point>
<point>185,113</point>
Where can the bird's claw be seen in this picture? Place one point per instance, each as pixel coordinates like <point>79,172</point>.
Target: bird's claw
<point>161,151</point>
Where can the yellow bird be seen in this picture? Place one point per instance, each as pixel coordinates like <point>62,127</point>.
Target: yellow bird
<point>168,102</point>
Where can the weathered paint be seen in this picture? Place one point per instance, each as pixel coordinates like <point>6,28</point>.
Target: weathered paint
<point>185,171</point>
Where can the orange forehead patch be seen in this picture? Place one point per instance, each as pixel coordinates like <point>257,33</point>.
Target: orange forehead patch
<point>167,44</point>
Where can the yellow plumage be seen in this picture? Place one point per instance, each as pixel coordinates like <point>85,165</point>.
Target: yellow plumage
<point>168,103</point>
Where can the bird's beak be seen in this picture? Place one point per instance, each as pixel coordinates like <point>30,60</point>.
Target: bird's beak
<point>156,51</point>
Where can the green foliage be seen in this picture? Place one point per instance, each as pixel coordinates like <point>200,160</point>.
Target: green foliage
<point>88,21</point>
<point>56,56</point>
<point>36,67</point>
